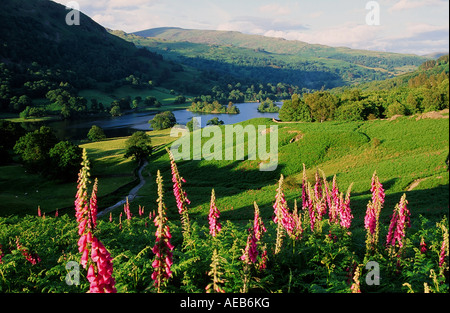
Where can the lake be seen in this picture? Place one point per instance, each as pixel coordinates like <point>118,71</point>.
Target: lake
<point>127,124</point>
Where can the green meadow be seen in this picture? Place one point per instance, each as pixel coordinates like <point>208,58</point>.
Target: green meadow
<point>409,156</point>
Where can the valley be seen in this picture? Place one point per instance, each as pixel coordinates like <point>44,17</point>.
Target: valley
<point>362,155</point>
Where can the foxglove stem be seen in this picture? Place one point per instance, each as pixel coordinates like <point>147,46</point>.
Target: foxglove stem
<point>100,262</point>
<point>355,288</point>
<point>126,209</point>
<point>251,250</point>
<point>345,212</point>
<point>93,207</point>
<point>320,201</point>
<point>304,189</point>
<point>311,206</point>
<point>216,274</point>
<point>163,248</point>
<point>296,216</point>
<point>444,252</point>
<point>214,214</point>
<point>335,202</point>
<point>371,220</point>
<point>180,196</point>
<point>280,215</point>
<point>399,221</point>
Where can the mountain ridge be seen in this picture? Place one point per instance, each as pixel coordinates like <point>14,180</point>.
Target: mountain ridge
<point>249,40</point>
<point>272,59</point>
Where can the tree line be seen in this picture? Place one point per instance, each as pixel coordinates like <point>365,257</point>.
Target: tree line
<point>41,152</point>
<point>422,92</point>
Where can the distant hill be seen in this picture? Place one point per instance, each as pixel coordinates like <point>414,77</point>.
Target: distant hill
<point>307,65</point>
<point>44,62</point>
<point>36,31</point>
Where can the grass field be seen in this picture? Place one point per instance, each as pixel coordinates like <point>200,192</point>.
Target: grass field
<point>22,192</point>
<point>408,155</point>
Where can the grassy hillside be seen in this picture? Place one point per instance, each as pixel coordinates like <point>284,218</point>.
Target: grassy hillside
<point>409,156</point>
<point>22,192</point>
<point>282,46</point>
<point>41,55</point>
<point>36,31</point>
<point>278,57</point>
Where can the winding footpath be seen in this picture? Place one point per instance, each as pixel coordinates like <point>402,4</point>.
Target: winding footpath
<point>131,195</point>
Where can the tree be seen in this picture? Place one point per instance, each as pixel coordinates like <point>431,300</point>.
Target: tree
<point>268,106</point>
<point>396,108</point>
<point>34,147</point>
<point>139,146</point>
<point>295,110</point>
<point>352,111</point>
<point>180,100</point>
<point>322,105</point>
<point>215,121</point>
<point>65,158</point>
<point>96,134</point>
<point>163,120</point>
<point>115,110</point>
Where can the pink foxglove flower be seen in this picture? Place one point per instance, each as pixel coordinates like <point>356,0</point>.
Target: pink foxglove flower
<point>334,202</point>
<point>180,195</point>
<point>371,219</point>
<point>373,210</point>
<point>251,253</point>
<point>345,212</point>
<point>442,254</point>
<point>93,207</point>
<point>214,214</point>
<point>103,282</point>
<point>258,226</point>
<point>281,211</point>
<point>263,263</point>
<point>94,255</point>
<point>163,248</point>
<point>33,258</point>
<point>318,187</point>
<point>399,221</point>
<point>304,189</point>
<point>310,205</point>
<point>423,246</point>
<point>126,209</point>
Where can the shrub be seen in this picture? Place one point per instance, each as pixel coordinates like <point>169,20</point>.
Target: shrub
<point>96,133</point>
<point>163,120</point>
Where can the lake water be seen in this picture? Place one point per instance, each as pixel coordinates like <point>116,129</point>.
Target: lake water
<point>127,124</point>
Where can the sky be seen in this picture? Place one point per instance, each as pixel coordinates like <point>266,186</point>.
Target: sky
<point>404,26</point>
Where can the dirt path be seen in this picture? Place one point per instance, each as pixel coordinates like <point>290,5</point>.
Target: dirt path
<point>132,194</point>
<point>415,184</point>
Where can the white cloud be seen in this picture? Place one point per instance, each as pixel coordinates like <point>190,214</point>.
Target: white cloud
<point>412,4</point>
<point>274,9</point>
<point>349,35</point>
